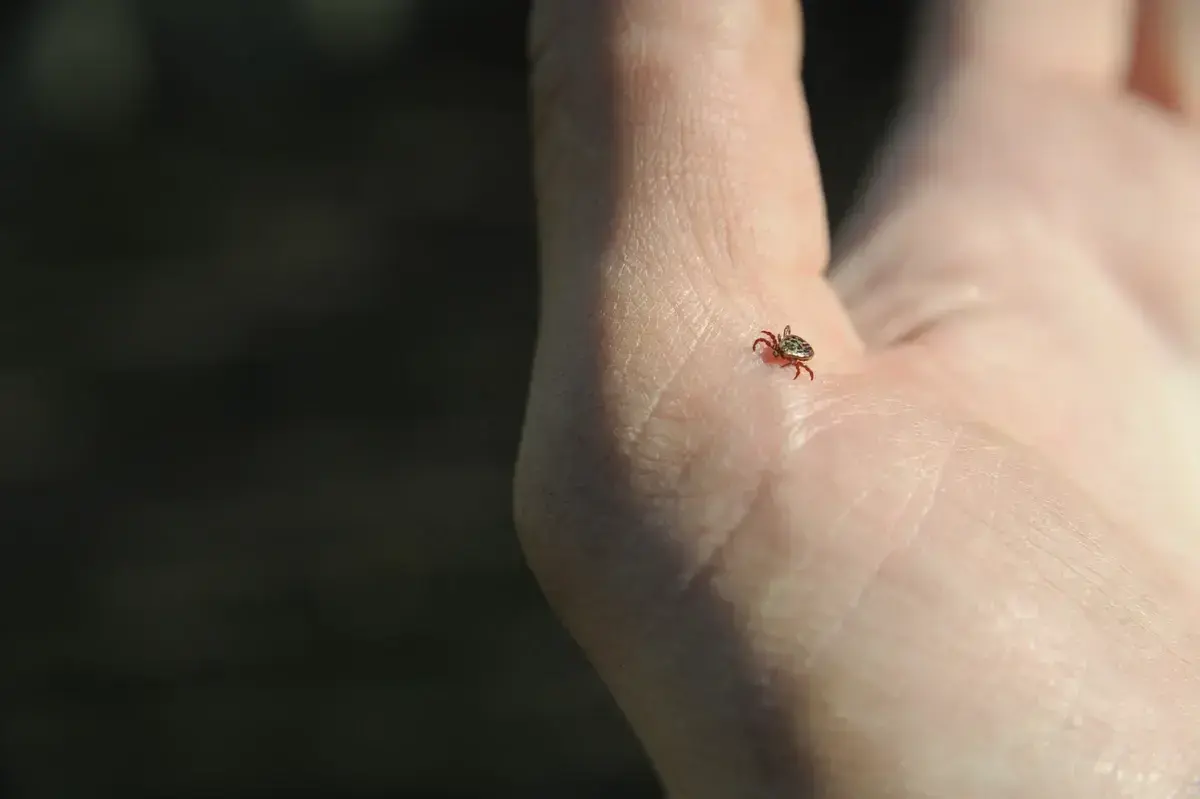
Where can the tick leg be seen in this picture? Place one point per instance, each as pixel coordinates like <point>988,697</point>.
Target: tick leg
<point>799,366</point>
<point>770,341</point>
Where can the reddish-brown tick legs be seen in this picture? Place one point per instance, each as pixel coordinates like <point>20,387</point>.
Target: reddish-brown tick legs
<point>800,366</point>
<point>771,341</point>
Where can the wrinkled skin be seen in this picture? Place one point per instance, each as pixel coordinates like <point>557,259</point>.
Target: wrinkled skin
<point>961,562</point>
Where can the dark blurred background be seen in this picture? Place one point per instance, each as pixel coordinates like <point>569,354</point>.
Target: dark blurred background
<point>255,529</point>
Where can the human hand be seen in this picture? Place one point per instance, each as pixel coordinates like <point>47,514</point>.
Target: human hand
<point>958,563</point>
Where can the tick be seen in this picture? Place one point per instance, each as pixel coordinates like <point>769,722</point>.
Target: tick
<point>792,349</point>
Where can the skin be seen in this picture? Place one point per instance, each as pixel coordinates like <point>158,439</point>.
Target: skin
<point>962,561</point>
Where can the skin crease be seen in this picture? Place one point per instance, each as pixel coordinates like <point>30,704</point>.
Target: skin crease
<point>961,561</point>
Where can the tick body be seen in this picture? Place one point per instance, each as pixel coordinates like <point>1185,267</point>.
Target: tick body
<point>792,349</point>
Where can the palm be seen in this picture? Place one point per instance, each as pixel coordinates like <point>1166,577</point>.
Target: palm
<point>1055,243</point>
<point>1018,295</point>
<point>1024,356</point>
<point>976,524</point>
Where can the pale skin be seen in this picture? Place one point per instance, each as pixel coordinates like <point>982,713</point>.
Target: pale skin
<point>962,561</point>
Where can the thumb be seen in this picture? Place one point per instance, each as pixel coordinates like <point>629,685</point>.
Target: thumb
<point>678,192</point>
<point>649,108</point>
<point>674,161</point>
<point>680,210</point>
